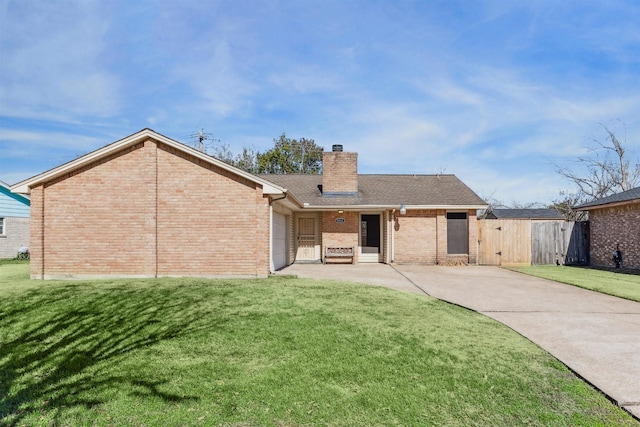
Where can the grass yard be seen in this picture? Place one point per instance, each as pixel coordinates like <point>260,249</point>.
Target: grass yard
<point>274,352</point>
<point>607,282</point>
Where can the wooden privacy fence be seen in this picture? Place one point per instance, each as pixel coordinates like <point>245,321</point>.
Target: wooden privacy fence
<point>527,242</point>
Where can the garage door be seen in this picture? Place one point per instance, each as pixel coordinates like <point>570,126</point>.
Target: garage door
<point>279,243</point>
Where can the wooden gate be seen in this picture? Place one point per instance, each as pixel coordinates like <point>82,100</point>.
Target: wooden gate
<point>524,242</point>
<point>504,242</point>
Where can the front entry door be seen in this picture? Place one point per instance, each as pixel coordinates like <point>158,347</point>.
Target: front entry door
<point>370,242</point>
<point>306,240</point>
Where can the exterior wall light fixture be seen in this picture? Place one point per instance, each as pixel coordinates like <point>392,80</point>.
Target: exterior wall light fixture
<point>403,209</point>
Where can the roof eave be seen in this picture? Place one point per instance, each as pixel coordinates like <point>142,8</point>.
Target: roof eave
<point>607,205</point>
<point>308,206</point>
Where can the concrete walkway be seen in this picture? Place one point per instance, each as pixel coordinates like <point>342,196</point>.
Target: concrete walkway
<point>596,335</point>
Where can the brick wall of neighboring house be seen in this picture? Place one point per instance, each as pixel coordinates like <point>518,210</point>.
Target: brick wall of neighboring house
<point>16,234</point>
<point>145,211</point>
<point>612,226</point>
<point>342,234</point>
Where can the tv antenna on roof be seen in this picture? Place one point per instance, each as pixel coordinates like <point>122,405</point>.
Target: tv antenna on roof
<point>201,137</point>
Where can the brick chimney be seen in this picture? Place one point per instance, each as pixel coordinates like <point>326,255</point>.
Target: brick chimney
<point>339,173</point>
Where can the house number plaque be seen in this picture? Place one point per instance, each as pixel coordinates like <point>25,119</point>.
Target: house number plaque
<point>340,220</point>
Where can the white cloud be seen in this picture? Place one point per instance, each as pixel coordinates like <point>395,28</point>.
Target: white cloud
<point>20,143</point>
<point>53,61</point>
<point>492,92</point>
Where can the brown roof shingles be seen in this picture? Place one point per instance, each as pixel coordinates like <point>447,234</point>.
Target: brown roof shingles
<point>384,190</point>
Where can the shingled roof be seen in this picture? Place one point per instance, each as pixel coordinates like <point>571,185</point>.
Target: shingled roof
<point>415,191</point>
<point>632,196</point>
<point>524,214</point>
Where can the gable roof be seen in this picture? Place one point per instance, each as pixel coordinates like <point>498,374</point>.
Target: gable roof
<point>626,197</point>
<point>6,189</point>
<point>11,204</point>
<point>23,187</point>
<point>524,214</point>
<point>385,191</point>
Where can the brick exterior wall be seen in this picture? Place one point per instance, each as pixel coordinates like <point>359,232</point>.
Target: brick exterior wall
<point>473,236</point>
<point>36,232</point>
<point>339,172</point>
<point>209,220</point>
<point>421,238</point>
<point>340,234</point>
<point>415,236</point>
<point>612,226</point>
<point>16,234</point>
<point>149,210</point>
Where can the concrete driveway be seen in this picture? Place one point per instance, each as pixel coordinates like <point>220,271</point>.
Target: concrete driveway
<point>596,335</point>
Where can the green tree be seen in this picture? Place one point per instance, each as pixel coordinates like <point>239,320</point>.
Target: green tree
<point>291,156</point>
<point>247,160</point>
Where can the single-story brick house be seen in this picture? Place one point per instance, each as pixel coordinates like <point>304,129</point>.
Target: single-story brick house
<point>615,223</point>
<point>148,206</point>
<point>14,222</point>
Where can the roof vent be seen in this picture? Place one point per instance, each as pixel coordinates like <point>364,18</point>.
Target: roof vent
<point>336,147</point>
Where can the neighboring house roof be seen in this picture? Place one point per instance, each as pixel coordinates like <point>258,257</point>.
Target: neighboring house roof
<point>384,191</point>
<point>626,197</point>
<point>24,186</point>
<point>13,205</point>
<point>524,214</point>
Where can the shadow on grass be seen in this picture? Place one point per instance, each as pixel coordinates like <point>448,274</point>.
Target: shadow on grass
<point>622,270</point>
<point>62,346</point>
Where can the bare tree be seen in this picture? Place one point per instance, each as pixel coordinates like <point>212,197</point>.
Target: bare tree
<point>566,204</point>
<point>605,171</point>
<point>492,203</point>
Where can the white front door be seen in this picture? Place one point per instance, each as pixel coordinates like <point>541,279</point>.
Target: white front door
<point>370,248</point>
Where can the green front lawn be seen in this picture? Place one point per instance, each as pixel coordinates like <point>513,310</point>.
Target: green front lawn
<point>607,282</point>
<point>274,352</point>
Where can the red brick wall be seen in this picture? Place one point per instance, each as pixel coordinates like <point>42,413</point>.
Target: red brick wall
<point>147,211</point>
<point>415,237</point>
<point>340,234</point>
<point>610,227</point>
<point>473,236</point>
<point>339,172</point>
<point>421,237</point>
<point>100,220</point>
<point>210,221</point>
<point>441,229</point>
<point>36,235</point>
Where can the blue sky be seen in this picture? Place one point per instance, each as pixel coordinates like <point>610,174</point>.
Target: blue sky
<point>496,92</point>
